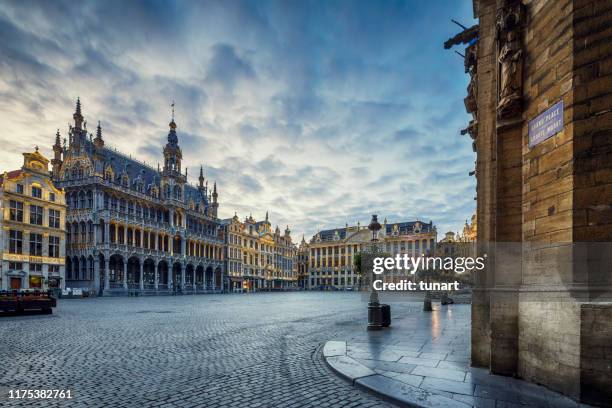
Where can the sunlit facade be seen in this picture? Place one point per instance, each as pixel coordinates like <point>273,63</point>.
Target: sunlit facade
<point>33,219</point>
<point>332,251</point>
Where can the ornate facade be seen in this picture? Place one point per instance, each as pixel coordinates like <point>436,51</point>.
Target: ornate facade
<point>303,255</point>
<point>258,258</point>
<point>131,227</point>
<point>33,218</point>
<point>332,251</point>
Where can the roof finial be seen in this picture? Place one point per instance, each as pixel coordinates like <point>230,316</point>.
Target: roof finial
<point>78,105</point>
<point>201,178</point>
<point>172,110</point>
<point>36,148</point>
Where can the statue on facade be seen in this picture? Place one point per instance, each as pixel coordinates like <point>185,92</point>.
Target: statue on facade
<point>511,78</point>
<point>509,24</point>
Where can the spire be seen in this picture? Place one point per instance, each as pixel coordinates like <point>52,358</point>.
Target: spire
<point>266,216</point>
<point>201,178</point>
<point>58,143</point>
<point>98,141</point>
<point>78,117</point>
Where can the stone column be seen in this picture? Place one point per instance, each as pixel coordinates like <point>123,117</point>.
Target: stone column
<point>125,272</point>
<point>170,272</point>
<point>214,279</point>
<point>182,275</point>
<point>194,278</point>
<point>106,273</point>
<point>141,275</point>
<point>156,276</point>
<point>106,232</point>
<point>97,274</point>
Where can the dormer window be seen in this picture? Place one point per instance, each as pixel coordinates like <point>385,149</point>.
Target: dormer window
<point>125,181</point>
<point>36,192</point>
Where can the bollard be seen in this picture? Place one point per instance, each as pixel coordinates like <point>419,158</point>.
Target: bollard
<point>374,312</point>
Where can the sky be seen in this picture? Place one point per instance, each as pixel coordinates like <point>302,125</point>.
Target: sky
<point>320,112</point>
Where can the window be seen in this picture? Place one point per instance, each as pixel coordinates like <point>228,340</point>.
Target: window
<point>36,192</point>
<point>54,247</point>
<point>20,188</point>
<point>36,215</point>
<point>35,244</point>
<point>54,218</point>
<point>53,269</point>
<point>52,197</point>
<point>15,242</point>
<point>35,267</point>
<point>16,211</point>
<point>15,266</point>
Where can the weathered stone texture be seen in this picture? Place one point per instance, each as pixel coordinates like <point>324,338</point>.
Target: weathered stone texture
<point>554,200</point>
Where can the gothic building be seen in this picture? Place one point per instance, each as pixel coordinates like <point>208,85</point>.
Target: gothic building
<point>131,227</point>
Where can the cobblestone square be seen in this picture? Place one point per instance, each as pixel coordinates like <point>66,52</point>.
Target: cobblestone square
<point>259,350</point>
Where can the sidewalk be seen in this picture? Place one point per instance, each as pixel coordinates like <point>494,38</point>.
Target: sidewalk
<point>422,360</point>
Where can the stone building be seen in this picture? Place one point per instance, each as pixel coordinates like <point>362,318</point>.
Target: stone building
<point>303,253</point>
<point>540,97</point>
<point>257,257</point>
<point>33,218</point>
<point>131,227</point>
<point>332,251</point>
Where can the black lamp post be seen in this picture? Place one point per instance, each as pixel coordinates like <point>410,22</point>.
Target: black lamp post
<point>374,308</point>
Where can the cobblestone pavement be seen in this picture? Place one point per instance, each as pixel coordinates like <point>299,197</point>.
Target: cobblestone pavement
<point>256,350</point>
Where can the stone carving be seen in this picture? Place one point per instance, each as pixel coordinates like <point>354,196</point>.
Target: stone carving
<point>509,27</point>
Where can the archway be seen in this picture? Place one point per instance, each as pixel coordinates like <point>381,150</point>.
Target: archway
<point>133,275</point>
<point>200,277</point>
<point>176,276</point>
<point>208,283</point>
<point>149,273</point>
<point>162,269</point>
<point>116,271</point>
<point>218,280</point>
<point>189,276</point>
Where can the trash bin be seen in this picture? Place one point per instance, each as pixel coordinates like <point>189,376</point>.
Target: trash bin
<point>386,315</point>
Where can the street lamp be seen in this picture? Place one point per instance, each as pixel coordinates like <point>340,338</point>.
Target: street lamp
<point>374,309</point>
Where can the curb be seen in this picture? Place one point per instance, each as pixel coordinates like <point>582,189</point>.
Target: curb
<point>396,392</point>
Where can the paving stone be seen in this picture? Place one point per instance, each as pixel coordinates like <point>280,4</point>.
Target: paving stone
<point>419,361</point>
<point>334,348</point>
<point>407,394</point>
<point>443,373</point>
<point>349,367</point>
<point>414,380</point>
<point>185,351</point>
<point>475,401</point>
<point>456,387</point>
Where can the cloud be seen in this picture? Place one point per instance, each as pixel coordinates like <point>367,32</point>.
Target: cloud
<point>321,113</point>
<point>226,68</point>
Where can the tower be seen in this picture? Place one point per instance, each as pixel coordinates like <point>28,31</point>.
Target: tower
<point>201,179</point>
<point>78,133</point>
<point>56,163</point>
<point>98,141</point>
<point>215,204</point>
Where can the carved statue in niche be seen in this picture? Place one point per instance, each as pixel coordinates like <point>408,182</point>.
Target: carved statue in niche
<point>510,19</point>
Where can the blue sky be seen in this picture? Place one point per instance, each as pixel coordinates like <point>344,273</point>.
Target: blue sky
<point>321,112</point>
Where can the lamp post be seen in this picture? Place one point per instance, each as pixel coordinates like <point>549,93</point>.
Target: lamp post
<point>374,309</point>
